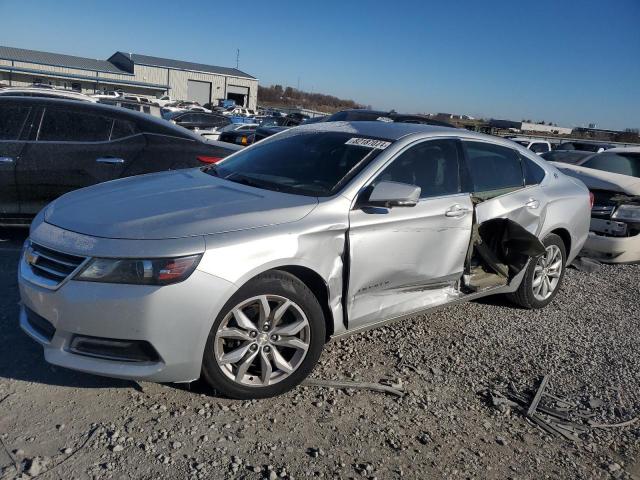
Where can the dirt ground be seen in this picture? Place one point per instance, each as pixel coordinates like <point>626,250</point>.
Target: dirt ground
<point>56,423</point>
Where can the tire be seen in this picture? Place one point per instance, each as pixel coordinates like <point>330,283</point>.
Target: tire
<point>239,345</point>
<point>526,295</point>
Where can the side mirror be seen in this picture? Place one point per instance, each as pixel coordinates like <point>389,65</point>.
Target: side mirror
<point>393,194</point>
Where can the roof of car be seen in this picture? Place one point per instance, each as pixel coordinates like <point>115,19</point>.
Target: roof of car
<point>107,109</point>
<point>386,130</point>
<point>624,149</point>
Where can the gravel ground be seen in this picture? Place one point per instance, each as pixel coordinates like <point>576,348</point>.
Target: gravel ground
<point>445,425</point>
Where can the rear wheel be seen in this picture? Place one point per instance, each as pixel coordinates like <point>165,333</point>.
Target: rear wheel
<point>544,275</point>
<point>266,339</point>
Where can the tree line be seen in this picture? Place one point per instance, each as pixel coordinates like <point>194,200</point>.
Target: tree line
<point>276,95</point>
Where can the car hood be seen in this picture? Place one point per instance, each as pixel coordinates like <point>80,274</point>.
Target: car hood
<point>175,204</point>
<point>601,180</point>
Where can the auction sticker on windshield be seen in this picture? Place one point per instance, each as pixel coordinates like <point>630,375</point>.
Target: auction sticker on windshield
<point>368,142</point>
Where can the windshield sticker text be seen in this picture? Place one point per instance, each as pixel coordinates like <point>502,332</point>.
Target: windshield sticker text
<point>368,142</point>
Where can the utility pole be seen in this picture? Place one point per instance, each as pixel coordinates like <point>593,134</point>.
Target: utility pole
<point>237,58</point>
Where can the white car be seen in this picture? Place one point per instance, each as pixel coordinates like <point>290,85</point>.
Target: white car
<point>163,100</point>
<point>241,112</point>
<point>536,146</point>
<point>613,177</point>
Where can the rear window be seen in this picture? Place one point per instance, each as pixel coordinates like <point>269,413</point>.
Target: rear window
<point>12,120</point>
<point>493,168</point>
<point>123,129</point>
<point>616,162</point>
<point>73,126</point>
<point>533,173</point>
<point>306,163</point>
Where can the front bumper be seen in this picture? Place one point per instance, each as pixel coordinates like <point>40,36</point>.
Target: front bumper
<point>174,319</point>
<point>612,249</point>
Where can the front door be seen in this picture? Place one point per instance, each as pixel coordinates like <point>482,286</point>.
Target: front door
<point>404,259</point>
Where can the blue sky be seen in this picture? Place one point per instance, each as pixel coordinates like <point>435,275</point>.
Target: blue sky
<point>572,62</point>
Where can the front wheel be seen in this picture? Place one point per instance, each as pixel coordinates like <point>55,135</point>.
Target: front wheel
<point>266,339</point>
<point>544,275</point>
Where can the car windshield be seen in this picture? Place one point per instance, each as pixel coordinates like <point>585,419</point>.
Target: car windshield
<point>566,156</point>
<point>624,163</point>
<point>305,163</point>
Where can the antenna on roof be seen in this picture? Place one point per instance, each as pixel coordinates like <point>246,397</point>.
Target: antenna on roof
<point>237,58</point>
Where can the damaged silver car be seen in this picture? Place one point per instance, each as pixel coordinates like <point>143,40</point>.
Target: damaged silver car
<point>241,271</point>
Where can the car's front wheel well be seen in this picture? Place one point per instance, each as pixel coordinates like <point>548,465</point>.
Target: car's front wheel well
<point>317,285</point>
<point>566,238</point>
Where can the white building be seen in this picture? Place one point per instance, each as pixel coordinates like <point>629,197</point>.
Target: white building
<point>129,72</point>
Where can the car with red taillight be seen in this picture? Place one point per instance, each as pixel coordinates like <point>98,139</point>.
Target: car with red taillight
<point>50,146</point>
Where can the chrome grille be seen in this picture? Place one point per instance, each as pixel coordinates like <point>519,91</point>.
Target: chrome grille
<point>602,210</point>
<point>50,265</point>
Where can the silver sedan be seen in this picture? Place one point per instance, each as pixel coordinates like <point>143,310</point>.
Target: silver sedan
<point>241,271</point>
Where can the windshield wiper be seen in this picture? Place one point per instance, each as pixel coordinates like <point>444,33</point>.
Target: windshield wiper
<point>250,182</point>
<point>211,170</point>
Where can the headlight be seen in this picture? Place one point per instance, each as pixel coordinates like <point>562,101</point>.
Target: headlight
<point>627,213</point>
<point>155,271</point>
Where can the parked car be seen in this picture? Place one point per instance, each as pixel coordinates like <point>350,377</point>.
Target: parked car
<point>49,147</point>
<point>298,117</point>
<point>206,124</point>
<point>263,132</point>
<point>362,115</point>
<point>268,126</point>
<point>45,93</point>
<point>242,137</point>
<point>131,104</point>
<point>241,112</point>
<point>164,100</point>
<point>315,120</point>
<point>242,271</point>
<point>566,156</point>
<point>613,177</point>
<point>536,146</point>
<point>241,128</point>
<point>595,147</point>
<point>108,94</point>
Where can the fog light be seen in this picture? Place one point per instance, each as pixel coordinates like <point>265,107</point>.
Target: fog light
<point>113,349</point>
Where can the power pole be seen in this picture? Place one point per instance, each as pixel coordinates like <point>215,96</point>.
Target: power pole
<point>237,58</point>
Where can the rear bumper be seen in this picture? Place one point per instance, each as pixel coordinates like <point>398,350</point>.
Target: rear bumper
<point>612,249</point>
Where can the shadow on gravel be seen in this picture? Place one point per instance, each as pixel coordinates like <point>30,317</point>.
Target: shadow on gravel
<point>497,301</point>
<point>22,358</point>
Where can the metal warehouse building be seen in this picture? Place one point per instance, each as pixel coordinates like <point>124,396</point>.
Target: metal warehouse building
<point>129,72</point>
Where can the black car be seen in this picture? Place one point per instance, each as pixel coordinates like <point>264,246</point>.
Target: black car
<point>593,147</point>
<point>198,120</point>
<point>566,156</point>
<point>362,115</point>
<point>264,132</point>
<point>49,147</point>
<point>268,126</point>
<point>242,137</point>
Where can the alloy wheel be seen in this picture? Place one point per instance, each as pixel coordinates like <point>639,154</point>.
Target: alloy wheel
<point>547,272</point>
<point>262,340</point>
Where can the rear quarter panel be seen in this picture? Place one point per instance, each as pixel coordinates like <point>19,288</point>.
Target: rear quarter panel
<point>568,208</point>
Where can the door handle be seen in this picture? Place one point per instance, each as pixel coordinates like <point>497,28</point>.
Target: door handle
<point>109,160</point>
<point>6,160</point>
<point>532,203</point>
<point>456,211</point>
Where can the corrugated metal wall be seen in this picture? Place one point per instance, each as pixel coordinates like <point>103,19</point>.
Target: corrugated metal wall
<point>176,79</point>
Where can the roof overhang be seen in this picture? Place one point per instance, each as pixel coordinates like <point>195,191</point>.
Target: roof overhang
<point>89,78</point>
